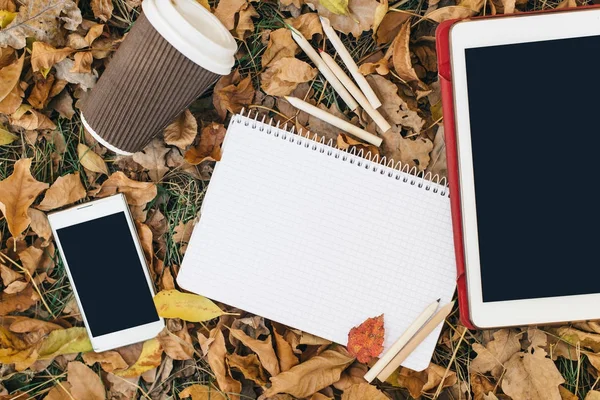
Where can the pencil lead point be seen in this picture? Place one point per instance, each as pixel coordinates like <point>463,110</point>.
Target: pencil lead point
<point>438,300</point>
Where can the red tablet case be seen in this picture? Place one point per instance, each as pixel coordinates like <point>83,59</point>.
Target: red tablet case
<point>445,77</point>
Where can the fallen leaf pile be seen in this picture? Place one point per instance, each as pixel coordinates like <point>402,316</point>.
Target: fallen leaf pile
<point>52,53</point>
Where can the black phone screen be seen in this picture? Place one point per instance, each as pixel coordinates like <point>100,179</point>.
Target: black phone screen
<point>107,274</point>
<point>534,128</point>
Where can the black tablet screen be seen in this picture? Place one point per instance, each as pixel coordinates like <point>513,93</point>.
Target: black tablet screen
<point>535,127</point>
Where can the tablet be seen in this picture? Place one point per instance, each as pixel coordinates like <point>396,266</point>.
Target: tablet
<point>526,99</point>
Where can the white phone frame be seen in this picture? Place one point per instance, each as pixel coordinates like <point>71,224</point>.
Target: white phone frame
<point>491,32</point>
<point>87,212</point>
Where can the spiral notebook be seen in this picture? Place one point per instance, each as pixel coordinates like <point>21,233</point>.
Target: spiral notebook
<point>320,239</point>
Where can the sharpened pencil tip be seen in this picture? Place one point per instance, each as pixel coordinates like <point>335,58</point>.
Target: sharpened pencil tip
<point>438,300</point>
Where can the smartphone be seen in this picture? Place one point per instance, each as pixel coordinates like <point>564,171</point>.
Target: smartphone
<point>105,263</point>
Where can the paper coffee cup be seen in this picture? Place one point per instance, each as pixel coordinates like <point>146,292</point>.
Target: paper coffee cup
<point>174,52</point>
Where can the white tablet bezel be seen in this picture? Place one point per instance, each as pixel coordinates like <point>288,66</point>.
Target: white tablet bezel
<point>491,32</point>
<point>87,212</point>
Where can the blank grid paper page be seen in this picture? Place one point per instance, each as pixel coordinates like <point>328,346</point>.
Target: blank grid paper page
<point>312,241</point>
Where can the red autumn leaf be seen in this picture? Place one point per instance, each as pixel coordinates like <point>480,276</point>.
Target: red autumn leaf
<point>366,340</point>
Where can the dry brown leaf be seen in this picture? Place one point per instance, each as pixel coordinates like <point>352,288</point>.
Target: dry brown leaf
<point>307,24</point>
<point>15,287</point>
<point>177,345</point>
<point>91,160</point>
<point>109,360</point>
<point>85,384</point>
<point>285,353</point>
<point>245,24</point>
<point>11,103</point>
<point>182,131</point>
<point>152,158</point>
<point>394,107</point>
<point>31,258</point>
<point>137,193</point>
<point>438,165</point>
<point>592,395</point>
<point>39,223</point>
<point>44,56</point>
<point>60,392</point>
<point>475,5</point>
<point>183,232</point>
<point>567,395</point>
<point>575,336</point>
<point>530,375</point>
<point>94,33</point>
<point>9,76</point>
<point>263,348</point>
<point>281,45</point>
<point>364,15</point>
<point>26,325</point>
<point>19,302</point>
<point>363,391</point>
<point>401,55</point>
<point>209,145</point>
<point>29,119</point>
<point>353,375</point>
<point>495,353</point>
<point>231,94</point>
<point>249,366</point>
<point>390,26</point>
<point>450,12</point>
<point>226,12</point>
<point>40,94</point>
<point>381,67</point>
<point>424,381</point>
<point>63,104</point>
<point>102,9</point>
<point>83,62</point>
<point>64,71</point>
<point>65,190</point>
<point>481,386</point>
<point>216,359</point>
<point>409,152</point>
<point>284,75</point>
<point>312,375</point>
<point>17,193</point>
<point>202,392</point>
<point>41,20</point>
<point>8,275</point>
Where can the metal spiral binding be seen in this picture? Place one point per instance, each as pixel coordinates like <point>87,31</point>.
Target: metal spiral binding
<point>383,166</point>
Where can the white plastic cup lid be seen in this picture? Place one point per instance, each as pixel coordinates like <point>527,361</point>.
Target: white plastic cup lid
<point>194,31</point>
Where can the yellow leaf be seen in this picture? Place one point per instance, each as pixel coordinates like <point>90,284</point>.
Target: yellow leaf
<point>339,7</point>
<point>64,341</point>
<point>44,56</point>
<point>91,160</point>
<point>6,137</point>
<point>187,306</point>
<point>17,193</point>
<point>202,392</point>
<point>149,358</point>
<point>6,17</point>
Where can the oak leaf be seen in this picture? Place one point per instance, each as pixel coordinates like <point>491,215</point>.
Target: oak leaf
<point>366,340</point>
<point>363,391</point>
<point>152,158</point>
<point>496,352</point>
<point>311,376</point>
<point>307,24</point>
<point>263,348</point>
<point>85,383</point>
<point>182,131</point>
<point>216,357</point>
<point>530,375</point>
<point>44,56</point>
<point>136,193</point>
<point>17,193</point>
<point>209,146</point>
<point>249,366</point>
<point>361,17</point>
<point>91,160</point>
<point>202,392</point>
<point>284,75</point>
<point>41,20</point>
<point>102,9</point>
<point>65,190</point>
<point>150,358</point>
<point>187,306</point>
<point>232,94</point>
<point>9,77</point>
<point>109,360</point>
<point>280,45</point>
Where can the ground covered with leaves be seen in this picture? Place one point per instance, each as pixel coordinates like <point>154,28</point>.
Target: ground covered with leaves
<point>52,53</point>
